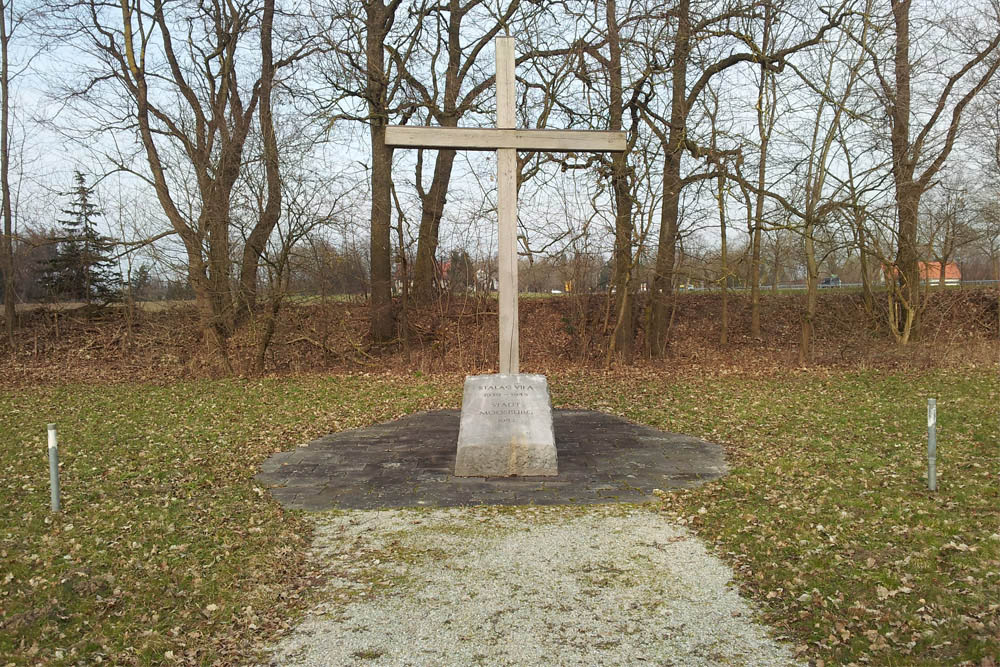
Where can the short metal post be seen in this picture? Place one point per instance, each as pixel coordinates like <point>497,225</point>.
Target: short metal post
<point>932,444</point>
<point>54,467</point>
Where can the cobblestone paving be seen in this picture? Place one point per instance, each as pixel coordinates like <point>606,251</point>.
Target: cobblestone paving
<point>409,462</point>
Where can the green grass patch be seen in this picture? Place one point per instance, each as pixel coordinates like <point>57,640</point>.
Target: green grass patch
<point>826,516</point>
<point>166,547</point>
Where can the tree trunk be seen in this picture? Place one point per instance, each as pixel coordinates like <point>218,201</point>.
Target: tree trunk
<point>624,332</point>
<point>214,332</point>
<point>866,286</point>
<point>257,241</point>
<point>661,291</point>
<point>432,202</point>
<point>220,265</point>
<point>432,210</point>
<point>907,191</point>
<point>404,296</point>
<point>267,332</point>
<point>383,321</point>
<point>755,264</point>
<point>908,261</point>
<point>764,125</point>
<point>777,263</point>
<point>724,257</point>
<point>451,110</point>
<point>8,233</point>
<point>807,351</point>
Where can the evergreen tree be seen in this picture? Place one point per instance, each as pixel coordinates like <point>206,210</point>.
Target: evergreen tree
<point>461,274</point>
<point>81,269</point>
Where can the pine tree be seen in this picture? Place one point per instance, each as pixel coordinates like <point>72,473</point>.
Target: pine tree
<point>81,269</point>
<point>461,275</point>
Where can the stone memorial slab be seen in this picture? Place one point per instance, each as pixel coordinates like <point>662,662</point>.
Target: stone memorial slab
<point>506,427</point>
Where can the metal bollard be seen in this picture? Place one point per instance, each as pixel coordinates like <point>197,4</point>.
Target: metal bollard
<point>54,467</point>
<point>932,444</point>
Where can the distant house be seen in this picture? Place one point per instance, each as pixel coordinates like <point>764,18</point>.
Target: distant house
<point>485,281</point>
<point>444,274</point>
<point>930,272</point>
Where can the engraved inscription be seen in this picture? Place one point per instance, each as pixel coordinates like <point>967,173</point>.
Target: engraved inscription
<point>507,387</point>
<point>505,408</point>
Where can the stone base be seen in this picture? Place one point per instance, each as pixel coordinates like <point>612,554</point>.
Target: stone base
<point>506,427</point>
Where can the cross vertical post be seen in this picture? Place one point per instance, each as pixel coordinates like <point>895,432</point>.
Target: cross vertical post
<point>506,139</point>
<point>506,426</point>
<point>507,211</point>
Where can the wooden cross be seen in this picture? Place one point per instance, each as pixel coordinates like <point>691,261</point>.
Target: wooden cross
<point>506,141</point>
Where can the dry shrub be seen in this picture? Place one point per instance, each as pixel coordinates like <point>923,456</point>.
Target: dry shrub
<point>458,333</point>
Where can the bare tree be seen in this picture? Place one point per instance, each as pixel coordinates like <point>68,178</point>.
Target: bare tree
<point>605,52</point>
<point>828,87</point>
<point>834,88</point>
<point>946,225</point>
<point>988,241</point>
<point>678,139</point>
<point>766,107</point>
<point>12,18</point>
<point>306,207</point>
<point>862,216</point>
<point>919,153</point>
<point>179,74</point>
<point>446,106</point>
<point>712,114</point>
<point>621,96</point>
<point>379,19</point>
<point>777,254</point>
<point>622,175</point>
<point>7,249</point>
<point>365,89</point>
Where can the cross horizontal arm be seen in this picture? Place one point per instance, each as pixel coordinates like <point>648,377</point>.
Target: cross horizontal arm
<point>491,139</point>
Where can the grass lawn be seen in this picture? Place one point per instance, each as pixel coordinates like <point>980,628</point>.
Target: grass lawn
<point>165,547</point>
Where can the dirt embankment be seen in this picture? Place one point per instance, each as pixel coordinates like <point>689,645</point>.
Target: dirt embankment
<point>459,334</point>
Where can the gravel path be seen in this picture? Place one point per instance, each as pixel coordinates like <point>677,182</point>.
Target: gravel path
<point>597,585</point>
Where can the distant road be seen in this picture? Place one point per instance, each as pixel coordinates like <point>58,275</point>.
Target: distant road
<point>154,306</point>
